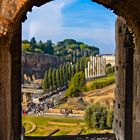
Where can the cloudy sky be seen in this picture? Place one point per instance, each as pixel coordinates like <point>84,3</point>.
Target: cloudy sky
<point>82,20</point>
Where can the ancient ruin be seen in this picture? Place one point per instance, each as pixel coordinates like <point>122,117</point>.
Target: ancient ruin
<point>96,67</point>
<point>127,105</point>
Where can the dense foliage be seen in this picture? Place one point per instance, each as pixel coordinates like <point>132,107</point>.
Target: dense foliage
<point>68,48</point>
<point>99,117</point>
<point>59,77</point>
<point>110,69</point>
<point>100,83</point>
<point>76,84</point>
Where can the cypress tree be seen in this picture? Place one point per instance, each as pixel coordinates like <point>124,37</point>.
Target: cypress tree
<point>54,79</point>
<point>57,78</point>
<point>45,82</point>
<point>61,75</point>
<point>73,71</point>
<point>69,72</point>
<point>50,78</point>
<point>64,75</point>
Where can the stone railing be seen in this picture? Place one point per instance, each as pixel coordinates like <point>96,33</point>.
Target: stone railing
<point>76,137</point>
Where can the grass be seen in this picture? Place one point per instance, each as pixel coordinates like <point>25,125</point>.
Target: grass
<point>44,128</point>
<point>100,83</point>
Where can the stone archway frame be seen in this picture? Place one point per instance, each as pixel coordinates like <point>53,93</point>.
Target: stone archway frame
<point>12,13</point>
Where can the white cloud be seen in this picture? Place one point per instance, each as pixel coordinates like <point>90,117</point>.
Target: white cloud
<point>49,25</point>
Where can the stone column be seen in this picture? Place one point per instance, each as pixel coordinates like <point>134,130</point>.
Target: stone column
<point>10,85</point>
<point>104,66</point>
<point>136,87</point>
<point>129,53</point>
<point>86,73</point>
<point>99,66</point>
<point>93,66</point>
<point>88,69</point>
<point>119,114</point>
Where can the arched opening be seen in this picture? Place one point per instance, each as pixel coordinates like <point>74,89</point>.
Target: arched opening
<point>83,31</point>
<point>123,74</point>
<point>9,61</point>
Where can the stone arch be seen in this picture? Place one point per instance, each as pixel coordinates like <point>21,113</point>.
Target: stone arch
<point>15,11</point>
<point>12,13</point>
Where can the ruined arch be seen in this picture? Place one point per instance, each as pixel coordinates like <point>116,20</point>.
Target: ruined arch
<point>12,14</point>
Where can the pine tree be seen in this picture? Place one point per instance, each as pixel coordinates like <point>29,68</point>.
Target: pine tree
<point>33,43</point>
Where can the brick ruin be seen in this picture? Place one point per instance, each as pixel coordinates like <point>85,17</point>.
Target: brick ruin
<point>127,103</point>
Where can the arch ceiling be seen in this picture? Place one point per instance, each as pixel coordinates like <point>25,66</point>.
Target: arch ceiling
<point>14,11</point>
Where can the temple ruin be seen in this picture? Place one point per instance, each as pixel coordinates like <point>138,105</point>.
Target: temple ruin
<point>96,67</point>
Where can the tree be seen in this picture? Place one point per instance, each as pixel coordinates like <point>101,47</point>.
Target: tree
<point>26,47</point>
<point>71,91</point>
<point>57,78</point>
<point>45,82</point>
<point>64,74</point>
<point>76,84</point>
<point>96,116</point>
<point>69,72</point>
<point>54,79</point>
<point>48,47</point>
<point>73,70</point>
<point>50,77</point>
<point>109,122</point>
<point>33,43</point>
<point>61,75</point>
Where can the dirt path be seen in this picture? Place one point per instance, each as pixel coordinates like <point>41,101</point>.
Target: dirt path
<point>63,124</point>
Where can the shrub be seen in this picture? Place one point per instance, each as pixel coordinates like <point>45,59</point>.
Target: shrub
<point>103,82</point>
<point>97,116</point>
<point>76,84</point>
<point>109,121</point>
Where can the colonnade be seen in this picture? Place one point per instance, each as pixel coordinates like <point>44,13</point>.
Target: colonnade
<point>95,67</point>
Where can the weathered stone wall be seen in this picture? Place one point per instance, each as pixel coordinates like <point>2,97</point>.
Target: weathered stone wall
<point>136,88</point>
<point>124,81</point>
<point>37,63</point>
<point>119,115</point>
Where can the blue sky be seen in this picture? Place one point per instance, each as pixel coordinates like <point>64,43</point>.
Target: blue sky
<point>82,20</point>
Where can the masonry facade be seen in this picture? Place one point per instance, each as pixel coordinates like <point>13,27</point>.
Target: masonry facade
<point>127,104</point>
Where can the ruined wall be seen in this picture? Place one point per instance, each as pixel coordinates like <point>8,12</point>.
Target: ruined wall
<point>119,115</point>
<point>37,63</point>
<point>136,88</point>
<point>124,81</point>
